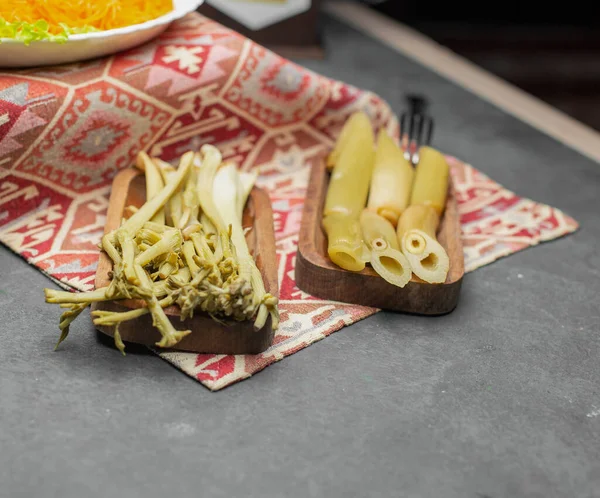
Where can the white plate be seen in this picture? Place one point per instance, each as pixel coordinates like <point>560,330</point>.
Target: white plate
<point>257,16</point>
<point>90,45</point>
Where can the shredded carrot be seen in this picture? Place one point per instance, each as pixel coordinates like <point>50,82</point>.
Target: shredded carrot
<point>77,15</point>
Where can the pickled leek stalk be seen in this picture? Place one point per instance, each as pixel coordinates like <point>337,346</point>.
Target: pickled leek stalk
<point>347,193</point>
<point>174,204</point>
<point>417,236</point>
<point>154,182</point>
<point>188,254</point>
<point>202,248</point>
<point>170,336</point>
<point>204,252</point>
<point>228,195</point>
<point>119,344</point>
<point>392,180</point>
<point>345,244</point>
<point>190,230</point>
<point>128,253</point>
<point>189,198</point>
<point>176,209</point>
<point>148,236</point>
<point>160,288</point>
<point>342,140</point>
<point>66,297</point>
<point>418,225</point>
<point>430,187</point>
<point>150,208</point>
<point>165,169</point>
<point>169,266</point>
<point>416,222</point>
<point>349,183</point>
<point>385,256</point>
<point>206,177</point>
<point>110,249</point>
<point>113,318</point>
<point>170,241</point>
<point>431,266</point>
<point>378,232</point>
<point>67,318</point>
<point>155,227</point>
<point>208,227</point>
<point>180,278</point>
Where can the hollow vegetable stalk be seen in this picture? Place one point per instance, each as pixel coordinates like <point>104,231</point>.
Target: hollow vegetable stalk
<point>431,180</point>
<point>418,225</point>
<point>347,194</point>
<point>392,180</point>
<point>417,237</point>
<point>385,256</point>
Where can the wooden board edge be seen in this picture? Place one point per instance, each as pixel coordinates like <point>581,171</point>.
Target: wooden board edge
<point>233,339</point>
<point>307,281</point>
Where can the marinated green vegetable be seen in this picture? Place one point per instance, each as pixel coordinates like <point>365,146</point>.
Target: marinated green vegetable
<point>392,180</point>
<point>351,176</point>
<point>173,259</point>
<point>431,180</point>
<point>347,193</point>
<point>417,237</point>
<point>154,182</point>
<point>385,256</point>
<point>345,244</point>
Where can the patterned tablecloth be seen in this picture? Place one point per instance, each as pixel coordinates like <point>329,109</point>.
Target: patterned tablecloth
<point>65,131</point>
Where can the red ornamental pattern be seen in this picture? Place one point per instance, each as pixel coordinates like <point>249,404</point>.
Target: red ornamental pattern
<point>66,131</point>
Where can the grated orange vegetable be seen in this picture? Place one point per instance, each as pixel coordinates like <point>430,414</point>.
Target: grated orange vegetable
<point>83,14</point>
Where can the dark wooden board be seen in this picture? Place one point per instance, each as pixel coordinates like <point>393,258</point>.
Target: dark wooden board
<point>318,276</point>
<point>208,336</point>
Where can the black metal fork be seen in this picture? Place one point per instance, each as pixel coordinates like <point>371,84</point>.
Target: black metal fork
<point>416,127</point>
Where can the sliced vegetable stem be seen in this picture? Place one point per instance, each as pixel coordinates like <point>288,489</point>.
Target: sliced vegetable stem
<point>417,237</point>
<point>431,180</point>
<point>170,242</point>
<point>154,183</point>
<point>150,208</point>
<point>58,297</point>
<point>392,180</point>
<point>350,179</point>
<point>385,256</point>
<point>128,255</point>
<point>345,245</point>
<point>188,253</point>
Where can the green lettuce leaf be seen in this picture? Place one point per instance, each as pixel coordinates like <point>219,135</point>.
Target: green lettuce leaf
<point>39,30</point>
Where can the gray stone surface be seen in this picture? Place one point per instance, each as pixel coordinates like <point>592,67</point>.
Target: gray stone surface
<point>499,399</point>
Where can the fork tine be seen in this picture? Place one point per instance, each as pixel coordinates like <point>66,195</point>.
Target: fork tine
<point>416,127</point>
<point>429,131</point>
<point>402,125</point>
<point>413,144</point>
<point>414,120</point>
<point>404,136</point>
<point>419,142</point>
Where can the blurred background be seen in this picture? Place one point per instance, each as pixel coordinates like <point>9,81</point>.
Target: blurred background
<point>549,50</point>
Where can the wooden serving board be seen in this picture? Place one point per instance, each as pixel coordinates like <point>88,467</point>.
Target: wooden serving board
<point>208,336</point>
<point>318,276</point>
